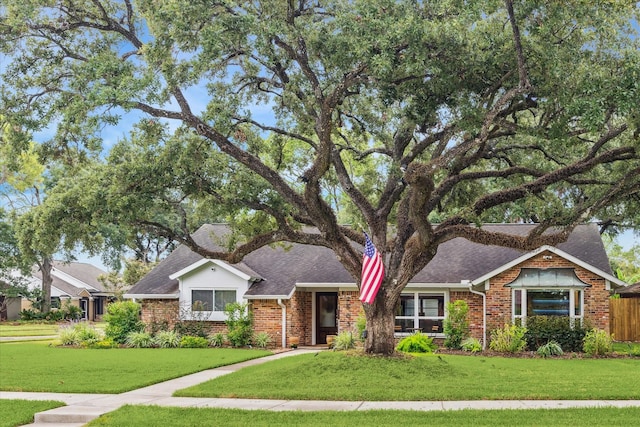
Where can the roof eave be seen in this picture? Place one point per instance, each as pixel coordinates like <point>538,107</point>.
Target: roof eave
<point>151,296</point>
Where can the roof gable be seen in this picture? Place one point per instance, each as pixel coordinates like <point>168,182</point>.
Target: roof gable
<point>556,251</point>
<point>205,261</point>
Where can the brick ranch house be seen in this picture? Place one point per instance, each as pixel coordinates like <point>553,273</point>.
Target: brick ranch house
<point>303,291</point>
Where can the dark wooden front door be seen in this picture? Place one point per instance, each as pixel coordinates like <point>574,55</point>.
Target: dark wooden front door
<point>326,315</point>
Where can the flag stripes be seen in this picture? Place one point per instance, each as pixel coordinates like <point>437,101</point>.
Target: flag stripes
<point>372,272</point>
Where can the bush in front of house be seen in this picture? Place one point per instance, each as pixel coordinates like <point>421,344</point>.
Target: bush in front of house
<point>167,339</point>
<point>123,317</point>
<point>239,324</point>
<point>344,341</point>
<point>68,336</point>
<point>189,341</point>
<point>139,339</point>
<point>508,339</point>
<point>195,328</point>
<point>261,339</point>
<point>361,325</point>
<point>472,345</point>
<point>456,325</point>
<point>216,340</point>
<point>416,343</point>
<point>79,334</point>
<point>549,349</point>
<point>543,329</point>
<point>597,342</point>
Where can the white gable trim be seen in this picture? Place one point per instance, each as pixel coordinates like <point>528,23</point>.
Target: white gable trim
<point>609,278</point>
<point>205,261</point>
<point>72,280</point>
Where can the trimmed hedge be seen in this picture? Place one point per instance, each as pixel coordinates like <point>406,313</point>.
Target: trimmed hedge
<point>543,329</point>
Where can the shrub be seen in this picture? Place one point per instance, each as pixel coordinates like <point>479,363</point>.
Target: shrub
<point>361,325</point>
<point>167,339</point>
<point>194,328</point>
<point>239,324</point>
<point>104,344</point>
<point>416,343</point>
<point>87,335</point>
<point>31,314</point>
<point>139,340</point>
<point>471,344</point>
<point>190,341</point>
<point>122,318</point>
<point>79,334</point>
<point>456,325</point>
<point>542,329</point>
<point>68,336</point>
<point>549,349</point>
<point>262,339</point>
<point>216,340</point>
<point>597,342</point>
<point>70,311</point>
<point>508,339</point>
<point>344,341</point>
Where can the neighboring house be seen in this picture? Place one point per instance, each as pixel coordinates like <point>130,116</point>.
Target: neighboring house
<point>631,291</point>
<point>303,291</point>
<point>75,283</point>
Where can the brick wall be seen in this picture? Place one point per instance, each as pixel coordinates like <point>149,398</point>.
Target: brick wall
<point>475,316</point>
<point>155,311</point>
<point>596,297</point>
<point>349,308</point>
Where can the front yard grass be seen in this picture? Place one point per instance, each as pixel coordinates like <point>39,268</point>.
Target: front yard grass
<point>17,412</point>
<point>193,417</point>
<point>27,329</point>
<point>36,366</point>
<point>340,376</point>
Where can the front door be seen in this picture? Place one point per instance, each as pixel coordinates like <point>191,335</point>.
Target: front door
<point>326,315</point>
<point>84,305</point>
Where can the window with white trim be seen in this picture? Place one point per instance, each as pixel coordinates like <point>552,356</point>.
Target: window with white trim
<point>420,311</point>
<point>551,292</point>
<point>211,300</point>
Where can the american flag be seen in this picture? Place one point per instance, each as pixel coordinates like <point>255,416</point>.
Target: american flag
<point>372,272</point>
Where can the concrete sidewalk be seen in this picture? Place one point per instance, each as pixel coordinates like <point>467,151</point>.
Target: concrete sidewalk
<point>82,408</point>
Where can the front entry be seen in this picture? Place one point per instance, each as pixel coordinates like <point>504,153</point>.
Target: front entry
<point>326,315</point>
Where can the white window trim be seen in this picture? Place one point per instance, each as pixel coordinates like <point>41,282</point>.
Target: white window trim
<point>209,315</point>
<point>523,309</point>
<point>416,318</point>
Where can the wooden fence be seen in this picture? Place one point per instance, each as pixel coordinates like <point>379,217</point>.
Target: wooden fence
<point>625,319</point>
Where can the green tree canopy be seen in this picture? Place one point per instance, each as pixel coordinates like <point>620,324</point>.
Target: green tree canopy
<point>414,120</point>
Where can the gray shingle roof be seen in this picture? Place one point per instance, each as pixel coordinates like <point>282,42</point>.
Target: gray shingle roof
<point>280,268</point>
<point>84,272</point>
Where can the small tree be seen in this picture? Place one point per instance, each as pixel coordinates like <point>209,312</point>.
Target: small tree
<point>239,324</point>
<point>123,317</point>
<point>456,325</point>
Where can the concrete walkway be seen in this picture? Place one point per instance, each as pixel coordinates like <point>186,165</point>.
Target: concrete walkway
<point>82,408</point>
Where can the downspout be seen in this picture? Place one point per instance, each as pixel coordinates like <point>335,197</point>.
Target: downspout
<point>484,312</point>
<point>284,322</point>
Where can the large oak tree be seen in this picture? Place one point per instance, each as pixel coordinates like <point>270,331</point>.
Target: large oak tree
<point>415,121</point>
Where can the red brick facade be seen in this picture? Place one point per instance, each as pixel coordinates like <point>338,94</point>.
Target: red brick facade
<point>267,314</point>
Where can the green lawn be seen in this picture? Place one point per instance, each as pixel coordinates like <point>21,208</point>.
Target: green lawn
<point>36,366</point>
<point>336,376</point>
<point>14,412</point>
<point>193,417</point>
<point>27,329</point>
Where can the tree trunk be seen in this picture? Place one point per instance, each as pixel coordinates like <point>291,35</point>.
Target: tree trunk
<point>47,280</point>
<point>380,328</point>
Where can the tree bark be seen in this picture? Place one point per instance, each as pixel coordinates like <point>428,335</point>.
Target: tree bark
<point>47,280</point>
<point>380,326</point>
